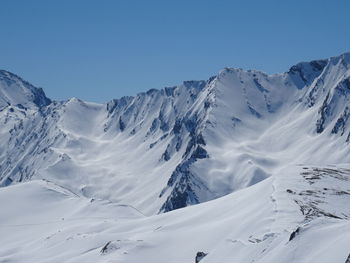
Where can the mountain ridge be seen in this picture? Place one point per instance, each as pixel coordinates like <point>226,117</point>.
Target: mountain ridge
<point>185,136</point>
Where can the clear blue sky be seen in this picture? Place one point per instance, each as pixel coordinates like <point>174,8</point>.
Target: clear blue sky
<point>99,50</point>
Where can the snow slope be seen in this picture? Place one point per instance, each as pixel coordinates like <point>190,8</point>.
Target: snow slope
<point>16,91</point>
<point>300,214</point>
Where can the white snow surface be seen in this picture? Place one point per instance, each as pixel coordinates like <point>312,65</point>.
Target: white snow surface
<point>244,159</point>
<point>43,222</point>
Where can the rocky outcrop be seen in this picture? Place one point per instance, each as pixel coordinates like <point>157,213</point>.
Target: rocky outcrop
<point>200,256</point>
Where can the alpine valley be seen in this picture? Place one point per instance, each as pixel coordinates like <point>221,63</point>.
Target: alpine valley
<point>242,167</point>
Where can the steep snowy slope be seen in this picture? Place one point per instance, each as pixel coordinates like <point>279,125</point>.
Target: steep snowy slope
<point>299,214</point>
<point>170,148</point>
<point>15,91</point>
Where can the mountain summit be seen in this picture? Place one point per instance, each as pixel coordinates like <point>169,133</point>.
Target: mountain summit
<point>17,92</point>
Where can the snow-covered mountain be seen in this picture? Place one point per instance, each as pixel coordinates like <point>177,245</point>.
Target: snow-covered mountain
<point>272,150</point>
<point>166,149</point>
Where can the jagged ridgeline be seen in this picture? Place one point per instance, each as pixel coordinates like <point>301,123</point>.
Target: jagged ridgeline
<point>166,149</point>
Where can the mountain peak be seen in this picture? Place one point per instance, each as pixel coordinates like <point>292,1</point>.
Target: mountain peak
<point>308,71</point>
<point>16,91</point>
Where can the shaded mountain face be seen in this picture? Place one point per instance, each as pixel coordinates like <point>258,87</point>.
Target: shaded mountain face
<point>166,149</point>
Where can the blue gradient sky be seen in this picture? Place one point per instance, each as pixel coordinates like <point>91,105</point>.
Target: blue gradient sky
<point>99,50</point>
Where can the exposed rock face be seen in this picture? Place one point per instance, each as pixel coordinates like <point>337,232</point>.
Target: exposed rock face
<point>109,247</point>
<point>294,234</point>
<point>348,259</point>
<point>200,256</point>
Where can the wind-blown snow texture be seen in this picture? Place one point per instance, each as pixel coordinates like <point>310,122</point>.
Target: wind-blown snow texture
<point>270,149</point>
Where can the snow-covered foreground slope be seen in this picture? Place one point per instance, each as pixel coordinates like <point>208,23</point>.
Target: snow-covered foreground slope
<point>299,214</point>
